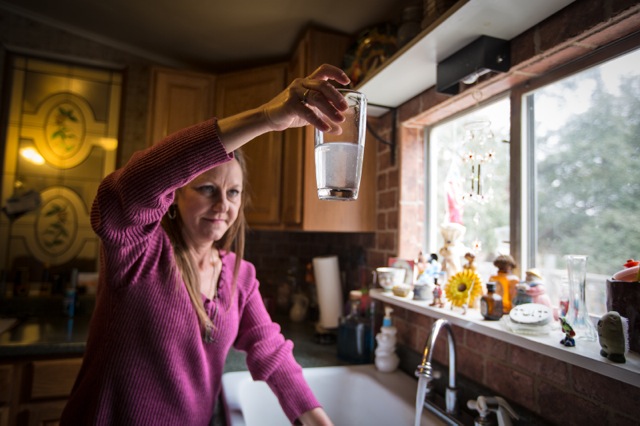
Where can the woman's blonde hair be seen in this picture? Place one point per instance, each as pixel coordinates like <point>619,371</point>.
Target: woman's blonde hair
<point>232,240</point>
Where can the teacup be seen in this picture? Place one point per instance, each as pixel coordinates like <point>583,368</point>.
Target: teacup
<point>388,277</point>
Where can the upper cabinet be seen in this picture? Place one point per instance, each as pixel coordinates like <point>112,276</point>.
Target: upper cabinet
<point>318,47</point>
<point>280,165</point>
<point>178,99</point>
<point>240,91</point>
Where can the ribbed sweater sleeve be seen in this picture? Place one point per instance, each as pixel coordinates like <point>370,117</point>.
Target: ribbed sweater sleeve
<point>270,358</point>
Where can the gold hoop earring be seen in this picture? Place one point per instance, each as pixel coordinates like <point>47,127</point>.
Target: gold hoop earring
<point>173,212</point>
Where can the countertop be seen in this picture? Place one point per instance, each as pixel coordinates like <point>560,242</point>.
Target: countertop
<point>57,335</point>
<point>46,336</point>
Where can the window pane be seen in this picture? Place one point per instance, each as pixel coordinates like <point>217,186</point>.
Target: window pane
<point>469,181</point>
<point>587,179</point>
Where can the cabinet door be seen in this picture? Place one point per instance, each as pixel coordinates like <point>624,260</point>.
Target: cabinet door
<point>240,91</point>
<point>54,378</point>
<point>293,156</point>
<point>179,99</point>
<point>316,48</point>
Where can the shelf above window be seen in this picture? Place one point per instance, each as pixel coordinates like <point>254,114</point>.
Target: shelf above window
<point>412,69</point>
<point>584,354</point>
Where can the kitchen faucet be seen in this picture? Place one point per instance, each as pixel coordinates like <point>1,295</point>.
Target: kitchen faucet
<point>426,374</point>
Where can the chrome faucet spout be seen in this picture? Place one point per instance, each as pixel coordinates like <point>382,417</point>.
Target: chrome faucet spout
<point>425,369</point>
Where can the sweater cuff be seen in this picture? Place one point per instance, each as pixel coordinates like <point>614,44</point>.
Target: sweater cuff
<point>293,392</point>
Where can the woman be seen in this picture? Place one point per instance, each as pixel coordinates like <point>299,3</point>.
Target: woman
<point>174,292</point>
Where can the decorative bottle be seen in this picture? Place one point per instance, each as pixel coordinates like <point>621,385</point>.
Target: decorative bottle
<point>386,359</point>
<point>577,315</point>
<point>355,339</point>
<point>491,304</point>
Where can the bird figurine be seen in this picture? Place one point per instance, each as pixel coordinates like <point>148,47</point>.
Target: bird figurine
<point>568,333</point>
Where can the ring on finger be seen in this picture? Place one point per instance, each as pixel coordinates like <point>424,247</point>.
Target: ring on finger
<point>304,97</point>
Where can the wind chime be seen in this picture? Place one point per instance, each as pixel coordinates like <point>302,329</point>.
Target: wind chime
<point>478,140</point>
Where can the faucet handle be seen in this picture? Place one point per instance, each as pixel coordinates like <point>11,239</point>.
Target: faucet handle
<point>486,404</point>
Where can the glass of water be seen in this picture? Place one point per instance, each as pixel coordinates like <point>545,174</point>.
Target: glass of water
<point>339,156</point>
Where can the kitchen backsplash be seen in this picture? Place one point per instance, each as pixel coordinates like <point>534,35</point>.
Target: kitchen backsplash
<point>274,253</point>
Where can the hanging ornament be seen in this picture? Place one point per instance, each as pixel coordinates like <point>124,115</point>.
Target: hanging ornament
<point>478,138</point>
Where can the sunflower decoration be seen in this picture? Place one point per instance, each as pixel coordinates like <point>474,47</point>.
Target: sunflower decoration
<point>463,289</point>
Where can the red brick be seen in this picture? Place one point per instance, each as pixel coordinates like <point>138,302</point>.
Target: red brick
<point>382,181</point>
<point>470,364</point>
<point>603,390</point>
<point>382,221</point>
<point>388,199</point>
<point>392,220</point>
<point>487,346</point>
<point>566,408</point>
<point>386,241</point>
<point>540,365</point>
<point>393,179</point>
<point>514,385</point>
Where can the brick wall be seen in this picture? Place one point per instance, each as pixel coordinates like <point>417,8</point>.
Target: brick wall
<point>558,392</point>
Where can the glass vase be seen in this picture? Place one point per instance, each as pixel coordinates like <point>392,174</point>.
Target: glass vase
<point>577,314</point>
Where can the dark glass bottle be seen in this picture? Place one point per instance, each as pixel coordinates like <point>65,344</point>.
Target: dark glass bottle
<point>491,304</point>
<point>355,339</point>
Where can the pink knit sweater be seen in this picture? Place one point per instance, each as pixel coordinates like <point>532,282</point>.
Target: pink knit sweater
<point>145,360</point>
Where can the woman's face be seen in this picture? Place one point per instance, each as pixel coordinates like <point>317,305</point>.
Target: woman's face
<point>210,203</point>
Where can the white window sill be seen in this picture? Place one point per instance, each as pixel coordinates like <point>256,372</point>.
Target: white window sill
<point>584,354</point>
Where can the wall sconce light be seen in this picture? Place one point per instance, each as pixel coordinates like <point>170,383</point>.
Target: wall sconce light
<point>32,155</point>
<point>481,56</point>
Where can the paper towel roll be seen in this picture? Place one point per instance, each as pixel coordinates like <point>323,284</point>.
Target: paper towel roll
<point>327,275</point>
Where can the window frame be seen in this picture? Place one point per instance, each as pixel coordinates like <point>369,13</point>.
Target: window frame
<point>523,197</point>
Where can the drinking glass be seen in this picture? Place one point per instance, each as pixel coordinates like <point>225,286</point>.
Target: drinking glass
<point>339,156</point>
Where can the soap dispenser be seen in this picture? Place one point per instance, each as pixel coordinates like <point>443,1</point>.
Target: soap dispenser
<point>386,359</point>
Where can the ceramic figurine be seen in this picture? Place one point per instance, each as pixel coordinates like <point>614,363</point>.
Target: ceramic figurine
<point>536,289</point>
<point>453,248</point>
<point>437,295</point>
<point>613,332</point>
<point>505,279</point>
<point>470,258</point>
<point>568,333</point>
<point>521,294</point>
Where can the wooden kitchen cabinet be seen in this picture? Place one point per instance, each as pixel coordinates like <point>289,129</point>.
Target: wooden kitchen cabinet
<point>315,48</point>
<point>36,391</point>
<point>237,92</point>
<point>280,165</point>
<point>178,99</point>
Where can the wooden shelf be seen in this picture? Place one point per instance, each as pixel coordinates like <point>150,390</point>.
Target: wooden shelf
<point>412,69</point>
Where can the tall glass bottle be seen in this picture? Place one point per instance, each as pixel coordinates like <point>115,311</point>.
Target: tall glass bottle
<point>355,338</point>
<point>577,314</point>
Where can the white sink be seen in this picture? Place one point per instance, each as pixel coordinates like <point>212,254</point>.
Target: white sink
<point>351,395</point>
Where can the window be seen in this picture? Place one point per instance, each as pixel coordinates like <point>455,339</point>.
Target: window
<point>578,161</point>
<point>584,147</point>
<point>468,169</point>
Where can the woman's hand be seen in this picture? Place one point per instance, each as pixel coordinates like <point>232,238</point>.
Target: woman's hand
<point>311,100</point>
<point>314,417</point>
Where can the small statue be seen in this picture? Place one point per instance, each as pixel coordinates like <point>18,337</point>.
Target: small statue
<point>453,248</point>
<point>568,333</point>
<point>505,279</point>
<point>521,294</point>
<point>428,270</point>
<point>536,289</point>
<point>613,332</point>
<point>437,295</point>
<point>470,257</point>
